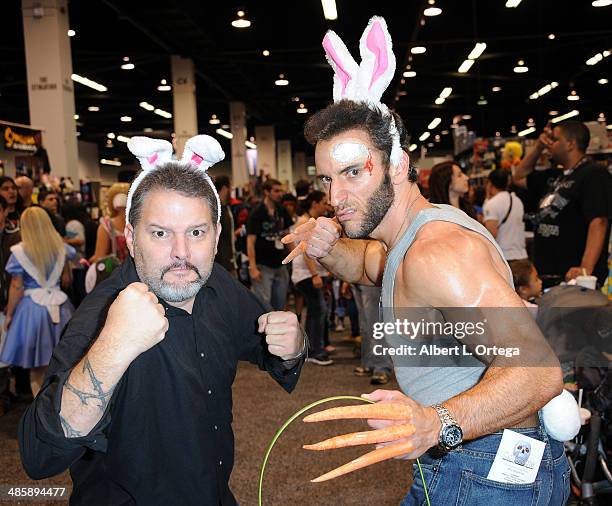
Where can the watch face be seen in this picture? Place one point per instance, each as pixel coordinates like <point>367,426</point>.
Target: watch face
<point>451,436</point>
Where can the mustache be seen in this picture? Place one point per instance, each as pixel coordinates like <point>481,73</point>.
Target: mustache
<point>181,265</point>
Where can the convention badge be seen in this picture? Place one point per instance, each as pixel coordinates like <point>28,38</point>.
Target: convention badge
<point>517,459</point>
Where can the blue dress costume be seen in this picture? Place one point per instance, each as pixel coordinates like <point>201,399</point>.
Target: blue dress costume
<point>36,328</point>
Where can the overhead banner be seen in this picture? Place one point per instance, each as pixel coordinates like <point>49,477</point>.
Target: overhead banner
<point>19,138</point>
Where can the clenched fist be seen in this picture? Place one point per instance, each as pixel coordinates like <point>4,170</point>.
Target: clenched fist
<point>316,238</point>
<point>135,321</point>
<point>283,334</point>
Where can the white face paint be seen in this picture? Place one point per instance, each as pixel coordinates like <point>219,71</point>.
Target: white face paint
<point>346,152</point>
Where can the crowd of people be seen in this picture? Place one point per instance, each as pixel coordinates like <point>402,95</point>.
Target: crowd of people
<point>566,209</point>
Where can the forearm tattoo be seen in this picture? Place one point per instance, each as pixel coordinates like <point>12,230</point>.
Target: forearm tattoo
<point>69,430</point>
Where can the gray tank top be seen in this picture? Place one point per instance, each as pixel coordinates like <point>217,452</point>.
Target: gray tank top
<point>430,385</point>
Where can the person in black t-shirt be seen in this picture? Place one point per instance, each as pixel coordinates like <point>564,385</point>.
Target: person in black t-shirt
<point>226,251</point>
<point>572,220</point>
<point>268,223</point>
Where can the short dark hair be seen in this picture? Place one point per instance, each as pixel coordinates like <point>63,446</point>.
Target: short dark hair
<point>314,196</point>
<point>43,193</point>
<point>4,179</point>
<point>289,197</point>
<point>178,177</point>
<point>221,181</point>
<point>499,178</point>
<point>346,115</point>
<point>576,131</point>
<point>521,272</point>
<point>269,183</point>
<point>302,187</point>
<point>3,203</point>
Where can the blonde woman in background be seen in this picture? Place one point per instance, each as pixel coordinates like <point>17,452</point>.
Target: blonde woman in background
<point>110,239</point>
<point>37,309</point>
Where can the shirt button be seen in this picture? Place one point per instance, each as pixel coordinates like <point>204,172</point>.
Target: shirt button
<point>202,355</point>
<point>215,427</point>
<point>209,392</point>
<point>220,462</point>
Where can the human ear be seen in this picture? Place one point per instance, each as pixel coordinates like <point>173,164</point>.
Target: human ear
<point>128,232</point>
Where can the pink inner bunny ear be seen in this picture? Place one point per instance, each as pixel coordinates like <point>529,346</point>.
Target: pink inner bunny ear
<point>377,43</point>
<point>336,62</point>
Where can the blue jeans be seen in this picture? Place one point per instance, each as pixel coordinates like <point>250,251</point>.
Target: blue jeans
<point>273,286</point>
<point>459,478</point>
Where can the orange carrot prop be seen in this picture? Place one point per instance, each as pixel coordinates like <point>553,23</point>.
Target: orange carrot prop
<point>302,234</point>
<point>373,457</point>
<point>362,438</point>
<point>380,411</point>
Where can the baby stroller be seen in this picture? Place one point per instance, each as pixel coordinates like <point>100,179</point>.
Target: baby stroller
<point>578,324</point>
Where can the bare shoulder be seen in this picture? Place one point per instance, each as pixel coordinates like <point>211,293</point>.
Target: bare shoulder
<point>449,265</point>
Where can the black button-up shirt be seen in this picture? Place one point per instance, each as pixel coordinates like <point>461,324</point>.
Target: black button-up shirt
<point>166,436</point>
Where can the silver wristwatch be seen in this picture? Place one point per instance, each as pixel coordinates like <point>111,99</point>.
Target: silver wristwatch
<point>451,435</point>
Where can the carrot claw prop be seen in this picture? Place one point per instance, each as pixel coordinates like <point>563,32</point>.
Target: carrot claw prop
<point>378,455</point>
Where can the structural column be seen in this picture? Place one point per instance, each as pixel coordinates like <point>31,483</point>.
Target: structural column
<point>238,127</point>
<point>266,150</point>
<point>50,86</point>
<point>285,163</point>
<point>299,166</point>
<point>184,98</point>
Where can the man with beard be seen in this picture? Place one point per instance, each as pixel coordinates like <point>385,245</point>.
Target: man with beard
<point>138,401</point>
<point>434,259</point>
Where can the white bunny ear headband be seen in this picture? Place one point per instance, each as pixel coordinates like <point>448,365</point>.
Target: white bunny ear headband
<point>201,151</point>
<point>367,81</point>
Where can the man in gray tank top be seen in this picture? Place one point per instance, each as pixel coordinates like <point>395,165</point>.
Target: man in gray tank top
<point>433,261</point>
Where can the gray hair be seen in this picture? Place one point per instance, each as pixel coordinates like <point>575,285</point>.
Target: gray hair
<point>179,177</point>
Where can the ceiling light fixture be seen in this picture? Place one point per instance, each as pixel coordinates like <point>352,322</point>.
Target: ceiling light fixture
<point>412,147</point>
<point>302,109</point>
<point>432,10</point>
<point>544,90</point>
<point>88,82</point>
<point>281,81</point>
<point>551,36</point>
<point>477,51</point>
<point>482,100</point>
<point>418,50</point>
<point>76,116</point>
<point>466,116</point>
<point>573,96</point>
<point>110,135</point>
<point>521,68</point>
<point>465,66</point>
<point>603,81</point>
<point>444,132</point>
<point>250,145</point>
<point>553,113</point>
<point>93,108</point>
<point>116,163</point>
<point>224,133</point>
<point>595,59</point>
<point>409,73</point>
<point>439,101</point>
<point>123,138</point>
<point>527,131</point>
<point>434,123</point>
<point>127,66</point>
<point>126,119</point>
<point>512,3</point>
<point>329,9</point>
<point>495,89</point>
<point>162,113</point>
<point>241,21</point>
<point>445,93</point>
<point>265,52</point>
<point>164,86</point>
<point>71,33</point>
<point>214,120</point>
<point>601,3</point>
<point>424,136</point>
<point>147,106</point>
<point>567,115</point>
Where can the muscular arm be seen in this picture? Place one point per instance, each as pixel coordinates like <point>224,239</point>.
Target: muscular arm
<point>491,226</point>
<point>469,277</point>
<point>357,261</point>
<point>15,294</point>
<point>89,387</point>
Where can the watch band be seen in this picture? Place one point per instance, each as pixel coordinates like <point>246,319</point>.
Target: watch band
<point>445,417</point>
